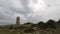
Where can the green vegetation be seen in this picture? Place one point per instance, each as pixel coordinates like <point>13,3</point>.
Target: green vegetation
<point>50,27</point>
<point>29,30</point>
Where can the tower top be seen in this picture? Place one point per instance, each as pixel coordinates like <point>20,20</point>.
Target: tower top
<point>18,18</point>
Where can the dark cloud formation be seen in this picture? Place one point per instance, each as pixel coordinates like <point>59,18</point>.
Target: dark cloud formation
<point>29,10</point>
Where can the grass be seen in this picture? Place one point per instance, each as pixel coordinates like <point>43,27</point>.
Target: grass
<point>11,31</point>
<point>20,31</point>
<point>7,31</point>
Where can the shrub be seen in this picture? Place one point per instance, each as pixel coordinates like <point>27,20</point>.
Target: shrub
<point>29,30</point>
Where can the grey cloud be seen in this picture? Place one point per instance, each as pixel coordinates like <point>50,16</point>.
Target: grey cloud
<point>9,9</point>
<point>52,13</point>
<point>26,7</point>
<point>34,1</point>
<point>50,3</point>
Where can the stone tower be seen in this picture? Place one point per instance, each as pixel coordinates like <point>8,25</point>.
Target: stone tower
<point>17,21</point>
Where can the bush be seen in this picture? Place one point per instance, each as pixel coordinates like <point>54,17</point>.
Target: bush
<point>29,30</point>
<point>51,24</point>
<point>11,27</point>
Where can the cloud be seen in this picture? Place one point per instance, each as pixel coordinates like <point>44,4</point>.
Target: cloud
<point>29,10</point>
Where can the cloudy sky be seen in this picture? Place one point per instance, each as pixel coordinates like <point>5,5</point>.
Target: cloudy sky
<point>29,10</point>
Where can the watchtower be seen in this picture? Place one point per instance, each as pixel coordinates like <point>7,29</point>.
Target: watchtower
<point>17,21</point>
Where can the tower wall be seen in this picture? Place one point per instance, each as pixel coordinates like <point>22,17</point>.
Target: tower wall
<point>17,21</point>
